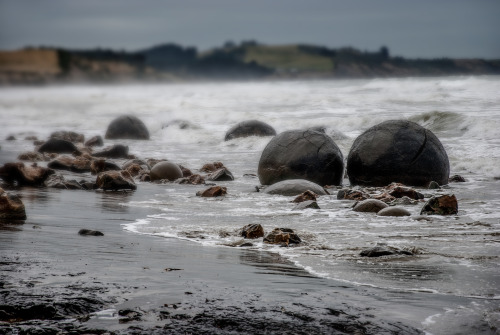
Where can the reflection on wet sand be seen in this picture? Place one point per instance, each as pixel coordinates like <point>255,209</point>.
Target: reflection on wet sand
<point>272,263</point>
<point>112,202</point>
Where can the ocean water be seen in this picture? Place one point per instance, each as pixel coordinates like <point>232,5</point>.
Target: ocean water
<point>457,257</point>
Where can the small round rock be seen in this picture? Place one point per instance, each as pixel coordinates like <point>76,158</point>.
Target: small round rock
<point>165,170</point>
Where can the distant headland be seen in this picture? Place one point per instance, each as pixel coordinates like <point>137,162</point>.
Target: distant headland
<point>246,60</point>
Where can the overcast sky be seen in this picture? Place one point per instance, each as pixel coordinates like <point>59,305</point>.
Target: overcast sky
<point>410,28</point>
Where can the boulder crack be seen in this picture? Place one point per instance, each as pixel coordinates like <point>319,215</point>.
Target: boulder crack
<point>420,150</point>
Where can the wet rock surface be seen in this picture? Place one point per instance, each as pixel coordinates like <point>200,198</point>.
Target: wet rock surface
<point>21,174</point>
<point>383,250</point>
<point>441,205</point>
<point>282,236</point>
<point>95,141</point>
<point>249,128</point>
<point>305,205</point>
<point>214,191</point>
<point>294,187</point>
<point>369,206</point>
<point>89,232</point>
<point>252,231</point>
<point>115,180</point>
<point>127,127</point>
<point>11,208</point>
<point>58,146</point>
<point>222,174</point>
<point>299,154</point>
<point>397,151</point>
<point>306,196</point>
<point>394,211</point>
<point>165,170</point>
<point>69,136</point>
<point>115,151</point>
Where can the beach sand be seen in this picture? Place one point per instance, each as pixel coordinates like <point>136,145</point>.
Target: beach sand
<point>53,280</point>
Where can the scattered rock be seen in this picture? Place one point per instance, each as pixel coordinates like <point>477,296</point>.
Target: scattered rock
<point>57,181</point>
<point>88,232</point>
<point>457,179</point>
<point>79,164</point>
<point>194,179</point>
<point>115,151</point>
<point>127,127</point>
<point>306,204</point>
<point>441,205</point>
<point>24,175</point>
<point>115,180</point>
<point>301,154</point>
<point>69,136</point>
<point>185,171</point>
<point>54,145</point>
<point>181,124</point>
<point>394,211</point>
<point>211,167</point>
<point>10,138</point>
<point>399,191</point>
<point>283,236</point>
<point>305,196</point>
<point>397,151</point>
<point>293,187</point>
<point>252,231</point>
<point>95,141</point>
<point>383,250</point>
<point>350,194</point>
<point>214,191</point>
<point>11,207</point>
<point>100,165</point>
<point>165,170</point>
<point>369,206</point>
<point>249,128</point>
<point>222,174</point>
<point>128,315</point>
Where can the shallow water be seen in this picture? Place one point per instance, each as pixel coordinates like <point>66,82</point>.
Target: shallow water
<point>457,256</point>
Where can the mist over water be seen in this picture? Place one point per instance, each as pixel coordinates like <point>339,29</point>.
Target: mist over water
<point>456,256</point>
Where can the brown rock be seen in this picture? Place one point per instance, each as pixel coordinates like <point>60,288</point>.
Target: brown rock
<point>54,145</point>
<point>95,141</point>
<point>352,195</point>
<point>185,171</point>
<point>399,191</point>
<point>101,165</point>
<point>385,197</point>
<point>369,205</point>
<point>115,151</point>
<point>441,205</point>
<point>115,180</point>
<point>24,175</point>
<point>11,207</point>
<point>283,236</point>
<point>214,191</point>
<point>70,136</point>
<point>456,179</point>
<point>222,174</point>
<point>252,230</point>
<point>307,195</point>
<point>79,164</point>
<point>32,156</point>
<point>211,167</point>
<point>194,179</point>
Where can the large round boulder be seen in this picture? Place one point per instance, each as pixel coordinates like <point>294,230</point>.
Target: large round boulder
<point>127,127</point>
<point>294,187</point>
<point>165,170</point>
<point>301,154</point>
<point>397,151</point>
<point>249,128</point>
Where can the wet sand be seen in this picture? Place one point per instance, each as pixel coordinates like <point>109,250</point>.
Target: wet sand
<point>54,280</point>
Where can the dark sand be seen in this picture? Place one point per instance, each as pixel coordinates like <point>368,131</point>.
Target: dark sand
<point>53,280</point>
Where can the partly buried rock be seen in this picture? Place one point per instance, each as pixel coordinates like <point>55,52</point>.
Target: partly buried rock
<point>115,151</point>
<point>369,206</point>
<point>79,164</point>
<point>283,236</point>
<point>56,181</point>
<point>305,205</point>
<point>306,196</point>
<point>54,145</point>
<point>21,174</point>
<point>11,208</point>
<point>397,151</point>
<point>457,179</point>
<point>194,179</point>
<point>301,154</point>
<point>294,187</point>
<point>101,165</point>
<point>165,170</point>
<point>252,230</point>
<point>249,128</point>
<point>69,136</point>
<point>222,174</point>
<point>399,191</point>
<point>211,167</point>
<point>127,127</point>
<point>95,141</point>
<point>115,180</point>
<point>88,232</point>
<point>214,191</point>
<point>348,194</point>
<point>383,250</point>
<point>394,211</point>
<point>441,205</point>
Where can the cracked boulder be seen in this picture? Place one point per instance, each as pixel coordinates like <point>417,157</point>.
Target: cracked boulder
<point>249,128</point>
<point>127,127</point>
<point>397,151</point>
<point>301,154</point>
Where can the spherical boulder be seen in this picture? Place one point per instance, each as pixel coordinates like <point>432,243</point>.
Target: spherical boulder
<point>165,170</point>
<point>397,151</point>
<point>249,128</point>
<point>127,127</point>
<point>301,154</point>
<point>293,187</point>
